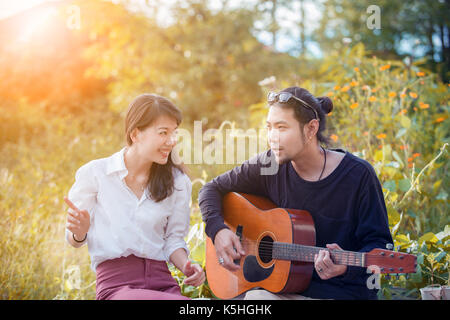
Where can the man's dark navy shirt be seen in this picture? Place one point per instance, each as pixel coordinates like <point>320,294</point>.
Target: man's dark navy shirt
<point>347,207</point>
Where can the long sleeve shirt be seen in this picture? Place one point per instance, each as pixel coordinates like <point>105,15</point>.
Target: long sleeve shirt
<point>347,208</point>
<point>120,223</point>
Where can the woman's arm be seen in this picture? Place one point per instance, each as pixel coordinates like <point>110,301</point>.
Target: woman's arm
<point>175,247</point>
<point>78,224</point>
<point>194,272</point>
<point>178,221</point>
<point>81,199</point>
<point>179,258</point>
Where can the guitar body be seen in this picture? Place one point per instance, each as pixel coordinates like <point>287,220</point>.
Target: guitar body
<point>261,223</point>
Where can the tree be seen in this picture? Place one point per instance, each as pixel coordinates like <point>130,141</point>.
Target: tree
<point>408,28</point>
<point>207,62</point>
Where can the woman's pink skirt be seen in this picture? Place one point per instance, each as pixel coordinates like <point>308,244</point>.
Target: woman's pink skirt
<point>134,278</point>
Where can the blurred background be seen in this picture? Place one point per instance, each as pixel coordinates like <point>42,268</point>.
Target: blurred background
<point>69,69</point>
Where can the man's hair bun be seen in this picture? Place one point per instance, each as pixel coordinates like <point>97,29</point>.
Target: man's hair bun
<point>326,104</point>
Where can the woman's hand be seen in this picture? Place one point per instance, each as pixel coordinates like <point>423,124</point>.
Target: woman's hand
<point>325,267</point>
<point>194,273</point>
<point>78,222</point>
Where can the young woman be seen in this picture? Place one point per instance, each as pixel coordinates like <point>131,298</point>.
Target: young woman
<point>132,209</point>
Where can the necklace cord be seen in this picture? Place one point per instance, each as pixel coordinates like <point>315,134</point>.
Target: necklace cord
<point>324,163</point>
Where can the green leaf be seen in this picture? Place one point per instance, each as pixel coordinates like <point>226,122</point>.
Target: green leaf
<point>378,155</point>
<point>393,164</point>
<point>400,133</point>
<point>420,258</point>
<point>442,195</point>
<point>411,213</point>
<point>439,257</point>
<point>405,122</point>
<point>397,157</point>
<point>444,234</point>
<point>436,185</point>
<point>404,185</point>
<point>417,277</point>
<point>428,237</point>
<point>403,241</point>
<point>390,185</point>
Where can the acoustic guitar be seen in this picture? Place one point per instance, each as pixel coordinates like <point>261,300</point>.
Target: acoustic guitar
<point>279,247</point>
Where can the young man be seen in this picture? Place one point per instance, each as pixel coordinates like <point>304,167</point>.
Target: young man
<point>340,190</point>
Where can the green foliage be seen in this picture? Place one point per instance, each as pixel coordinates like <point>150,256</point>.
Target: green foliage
<point>398,25</point>
<point>211,65</point>
<point>396,118</point>
<point>208,62</point>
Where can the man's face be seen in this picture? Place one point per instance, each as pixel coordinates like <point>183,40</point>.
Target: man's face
<point>285,137</point>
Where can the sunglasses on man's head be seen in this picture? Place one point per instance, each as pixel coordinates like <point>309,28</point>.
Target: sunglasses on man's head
<point>284,97</point>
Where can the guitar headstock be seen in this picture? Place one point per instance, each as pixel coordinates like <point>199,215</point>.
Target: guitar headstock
<point>387,261</point>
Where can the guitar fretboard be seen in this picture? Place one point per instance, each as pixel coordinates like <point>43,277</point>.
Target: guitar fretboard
<point>298,252</point>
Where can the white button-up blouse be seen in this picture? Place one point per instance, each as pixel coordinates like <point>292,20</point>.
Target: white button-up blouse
<point>122,224</point>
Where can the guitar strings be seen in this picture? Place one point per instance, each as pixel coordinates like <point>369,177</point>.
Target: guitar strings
<point>266,248</point>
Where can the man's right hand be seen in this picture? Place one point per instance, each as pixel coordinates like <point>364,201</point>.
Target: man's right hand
<point>228,247</point>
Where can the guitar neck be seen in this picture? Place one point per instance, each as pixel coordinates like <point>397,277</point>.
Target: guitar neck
<point>298,252</point>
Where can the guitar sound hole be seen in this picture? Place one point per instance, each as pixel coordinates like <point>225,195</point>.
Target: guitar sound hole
<point>265,249</point>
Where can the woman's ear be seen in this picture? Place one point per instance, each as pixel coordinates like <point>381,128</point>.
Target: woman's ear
<point>134,135</point>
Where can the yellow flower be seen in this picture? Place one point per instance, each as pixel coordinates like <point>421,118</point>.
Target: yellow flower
<point>334,137</point>
<point>420,74</point>
<point>337,87</point>
<point>365,87</point>
<point>372,99</point>
<point>402,95</point>
<point>440,119</point>
<point>385,67</point>
<point>356,69</point>
<point>354,105</point>
<point>403,111</point>
<point>345,89</point>
<point>413,95</point>
<point>381,136</point>
<point>354,83</point>
<point>392,94</point>
<point>330,94</point>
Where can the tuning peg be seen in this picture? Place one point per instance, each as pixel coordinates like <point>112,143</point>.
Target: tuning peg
<point>389,246</point>
<point>388,277</point>
<point>407,276</point>
<point>408,250</point>
<point>397,248</point>
<point>397,276</point>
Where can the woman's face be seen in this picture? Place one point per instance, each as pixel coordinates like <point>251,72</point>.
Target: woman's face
<point>155,142</point>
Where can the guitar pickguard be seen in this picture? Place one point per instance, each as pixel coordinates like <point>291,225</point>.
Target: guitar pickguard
<point>253,272</point>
